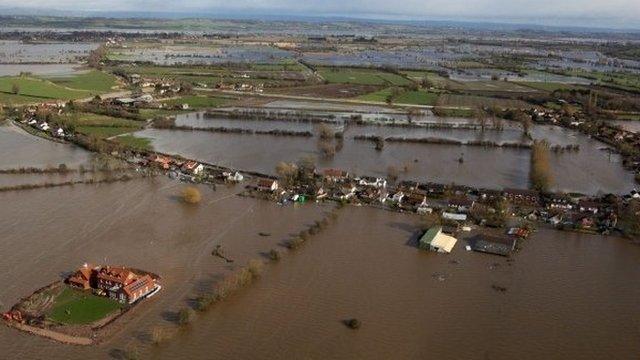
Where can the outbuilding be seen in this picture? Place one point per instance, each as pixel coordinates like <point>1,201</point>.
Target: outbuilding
<point>436,240</point>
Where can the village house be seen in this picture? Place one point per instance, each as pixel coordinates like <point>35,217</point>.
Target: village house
<point>415,199</point>
<point>378,183</point>
<point>345,192</point>
<point>233,176</point>
<point>522,197</point>
<point>118,283</point>
<point>558,202</point>
<point>193,167</point>
<point>588,206</point>
<point>267,185</point>
<point>461,204</point>
<point>123,285</point>
<point>163,162</point>
<point>335,175</point>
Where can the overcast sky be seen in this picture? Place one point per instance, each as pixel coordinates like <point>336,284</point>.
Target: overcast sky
<point>616,13</point>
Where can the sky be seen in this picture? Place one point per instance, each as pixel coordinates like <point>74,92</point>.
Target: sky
<point>609,13</point>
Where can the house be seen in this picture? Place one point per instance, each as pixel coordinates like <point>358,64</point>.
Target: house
<point>588,206</point>
<point>461,204</point>
<point>559,202</point>
<point>335,175</point>
<point>397,197</point>
<point>82,277</point>
<point>378,183</point>
<point>436,240</point>
<point>118,283</point>
<point>454,217</point>
<point>345,192</point>
<point>233,177</point>
<point>162,161</point>
<point>44,126</point>
<point>268,185</point>
<point>59,132</point>
<point>123,285</point>
<point>497,245</point>
<point>522,197</point>
<point>193,167</point>
<point>415,199</point>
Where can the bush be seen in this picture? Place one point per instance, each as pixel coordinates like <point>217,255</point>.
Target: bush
<point>160,335</point>
<point>274,255</point>
<point>191,195</point>
<point>185,316</point>
<point>255,268</point>
<point>353,323</point>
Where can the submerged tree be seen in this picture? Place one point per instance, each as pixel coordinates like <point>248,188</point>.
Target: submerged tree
<point>540,174</point>
<point>191,195</point>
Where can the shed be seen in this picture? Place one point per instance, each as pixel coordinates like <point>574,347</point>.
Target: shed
<point>497,245</point>
<point>435,240</point>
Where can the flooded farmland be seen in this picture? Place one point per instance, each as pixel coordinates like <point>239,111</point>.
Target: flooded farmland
<point>593,170</point>
<point>562,301</point>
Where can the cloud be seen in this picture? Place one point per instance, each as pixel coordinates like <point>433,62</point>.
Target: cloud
<point>528,10</point>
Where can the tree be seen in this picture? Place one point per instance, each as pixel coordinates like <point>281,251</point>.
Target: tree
<point>191,195</point>
<point>287,172</point>
<point>540,174</point>
<point>15,88</point>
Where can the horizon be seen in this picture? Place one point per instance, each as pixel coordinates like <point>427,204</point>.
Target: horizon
<point>618,16</point>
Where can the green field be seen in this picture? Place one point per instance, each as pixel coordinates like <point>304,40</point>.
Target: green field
<point>93,81</point>
<point>104,131</point>
<point>380,95</point>
<point>417,97</point>
<point>548,86</point>
<point>437,80</point>
<point>471,101</point>
<point>33,89</point>
<point>89,119</point>
<point>76,307</point>
<point>361,76</point>
<point>198,102</point>
<point>489,86</point>
<point>135,142</point>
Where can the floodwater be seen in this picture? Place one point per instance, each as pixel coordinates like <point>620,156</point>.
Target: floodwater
<point>568,296</point>
<point>48,232</point>
<point>56,52</point>
<point>40,69</point>
<point>20,149</point>
<point>591,169</point>
<point>572,291</point>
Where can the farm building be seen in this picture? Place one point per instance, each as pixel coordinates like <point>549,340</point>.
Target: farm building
<point>497,245</point>
<point>436,240</point>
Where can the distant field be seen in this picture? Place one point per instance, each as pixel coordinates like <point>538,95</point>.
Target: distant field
<point>476,101</point>
<point>76,307</point>
<point>490,86</point>
<point>548,86</point>
<point>197,102</point>
<point>437,80</point>
<point>361,76</point>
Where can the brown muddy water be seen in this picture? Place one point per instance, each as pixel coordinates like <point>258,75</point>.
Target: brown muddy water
<point>29,151</point>
<point>590,170</point>
<point>568,296</point>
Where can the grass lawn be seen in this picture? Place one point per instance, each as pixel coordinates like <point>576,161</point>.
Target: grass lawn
<point>93,81</point>
<point>76,307</point>
<point>477,101</point>
<point>198,101</point>
<point>135,142</point>
<point>89,119</point>
<point>548,86</point>
<point>417,97</point>
<point>104,131</point>
<point>39,89</point>
<point>380,95</point>
<point>361,76</point>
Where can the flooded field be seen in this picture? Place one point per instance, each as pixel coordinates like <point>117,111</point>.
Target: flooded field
<point>40,69</point>
<point>140,224</point>
<point>16,52</point>
<point>28,151</point>
<point>169,55</point>
<point>563,300</point>
<point>592,169</point>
